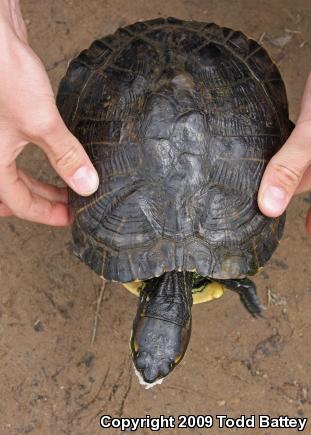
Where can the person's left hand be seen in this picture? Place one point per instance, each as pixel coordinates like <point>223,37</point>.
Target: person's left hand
<point>28,113</point>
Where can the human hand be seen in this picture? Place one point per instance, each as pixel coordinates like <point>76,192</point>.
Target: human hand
<point>28,113</point>
<point>289,171</point>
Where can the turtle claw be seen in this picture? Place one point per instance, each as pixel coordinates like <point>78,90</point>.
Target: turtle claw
<point>257,312</point>
<point>246,289</point>
<point>251,301</point>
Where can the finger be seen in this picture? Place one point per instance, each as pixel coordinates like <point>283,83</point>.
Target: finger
<point>4,210</point>
<point>52,193</point>
<point>19,23</point>
<point>68,158</point>
<point>305,110</point>
<point>305,182</point>
<point>284,172</point>
<point>25,204</point>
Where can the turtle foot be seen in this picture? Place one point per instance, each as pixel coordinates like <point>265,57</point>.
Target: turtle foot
<point>246,289</point>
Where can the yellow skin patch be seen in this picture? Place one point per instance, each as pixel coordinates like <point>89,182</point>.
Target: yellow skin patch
<point>207,293</point>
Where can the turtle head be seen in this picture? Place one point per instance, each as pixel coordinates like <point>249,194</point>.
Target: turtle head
<point>158,347</point>
<point>162,327</point>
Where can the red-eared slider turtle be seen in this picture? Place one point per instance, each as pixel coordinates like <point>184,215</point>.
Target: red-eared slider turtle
<point>180,119</point>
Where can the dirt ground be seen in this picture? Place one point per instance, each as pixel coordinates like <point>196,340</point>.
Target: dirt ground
<point>53,380</point>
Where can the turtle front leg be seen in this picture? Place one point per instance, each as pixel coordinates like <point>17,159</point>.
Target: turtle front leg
<point>246,289</point>
<point>162,327</point>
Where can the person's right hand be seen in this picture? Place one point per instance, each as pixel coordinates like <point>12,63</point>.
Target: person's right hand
<point>28,113</point>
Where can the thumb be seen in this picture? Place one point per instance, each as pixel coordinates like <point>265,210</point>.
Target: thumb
<point>68,157</point>
<point>284,171</point>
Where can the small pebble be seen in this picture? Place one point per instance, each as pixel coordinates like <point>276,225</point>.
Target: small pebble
<point>221,402</point>
<point>38,326</point>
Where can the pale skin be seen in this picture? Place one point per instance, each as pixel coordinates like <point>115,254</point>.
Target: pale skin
<point>289,171</point>
<point>28,113</point>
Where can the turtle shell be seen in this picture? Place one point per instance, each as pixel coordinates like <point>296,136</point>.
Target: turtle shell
<point>180,119</point>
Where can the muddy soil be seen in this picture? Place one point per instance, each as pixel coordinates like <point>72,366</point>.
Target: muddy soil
<point>53,380</point>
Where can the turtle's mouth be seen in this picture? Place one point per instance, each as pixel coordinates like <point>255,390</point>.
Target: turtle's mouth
<point>162,327</point>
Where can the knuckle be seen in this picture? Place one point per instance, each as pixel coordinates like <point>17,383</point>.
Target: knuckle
<point>42,125</point>
<point>21,214</point>
<point>287,176</point>
<point>69,159</point>
<point>48,124</point>
<point>43,119</point>
<point>35,210</point>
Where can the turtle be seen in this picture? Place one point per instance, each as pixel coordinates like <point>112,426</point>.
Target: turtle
<point>180,119</point>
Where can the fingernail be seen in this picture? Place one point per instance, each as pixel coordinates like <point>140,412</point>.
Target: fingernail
<point>85,180</point>
<point>275,199</point>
